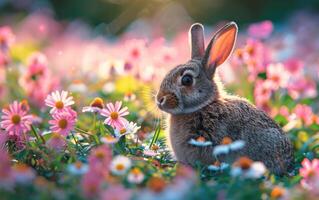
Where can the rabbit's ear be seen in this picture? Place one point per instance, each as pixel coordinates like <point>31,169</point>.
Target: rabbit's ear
<point>196,35</point>
<point>220,47</point>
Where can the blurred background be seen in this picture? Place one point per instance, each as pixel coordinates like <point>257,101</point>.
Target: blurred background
<point>113,17</point>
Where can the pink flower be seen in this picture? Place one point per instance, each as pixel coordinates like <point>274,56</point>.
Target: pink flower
<point>114,115</point>
<point>3,139</point>
<point>59,101</point>
<point>99,162</point>
<point>136,49</point>
<point>6,176</point>
<point>294,66</point>
<point>310,173</point>
<point>256,56</point>
<point>100,159</point>
<point>15,119</point>
<point>4,59</point>
<point>304,113</point>
<point>261,30</point>
<point>6,38</point>
<point>37,80</point>
<point>116,192</point>
<point>57,142</point>
<point>302,87</point>
<point>37,66</point>
<point>278,75</point>
<point>262,92</point>
<point>22,173</point>
<point>63,122</point>
<point>91,184</point>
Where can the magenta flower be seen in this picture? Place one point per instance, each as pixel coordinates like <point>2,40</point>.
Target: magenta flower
<point>57,142</point>
<point>261,30</point>
<point>304,112</point>
<point>6,175</point>
<point>302,87</point>
<point>15,119</point>
<point>310,173</point>
<point>59,101</point>
<point>294,66</point>
<point>91,184</point>
<point>116,192</point>
<point>100,159</point>
<point>63,122</point>
<point>262,92</point>
<point>277,74</point>
<point>114,115</point>
<point>6,38</point>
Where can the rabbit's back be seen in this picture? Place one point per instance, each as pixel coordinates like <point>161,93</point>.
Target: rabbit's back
<point>236,118</point>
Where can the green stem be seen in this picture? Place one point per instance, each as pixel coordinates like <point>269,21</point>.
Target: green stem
<point>37,135</point>
<point>82,131</point>
<point>77,143</point>
<point>94,122</point>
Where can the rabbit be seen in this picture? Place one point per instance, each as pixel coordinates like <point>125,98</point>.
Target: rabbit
<point>197,105</point>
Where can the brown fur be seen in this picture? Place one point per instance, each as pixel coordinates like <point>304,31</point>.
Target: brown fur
<point>238,119</point>
<point>202,108</point>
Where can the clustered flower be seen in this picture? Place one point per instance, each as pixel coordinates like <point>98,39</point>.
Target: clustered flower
<point>64,117</point>
<point>16,121</point>
<point>37,80</point>
<point>114,114</point>
<point>310,174</point>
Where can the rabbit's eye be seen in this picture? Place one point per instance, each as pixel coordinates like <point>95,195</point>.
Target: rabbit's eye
<point>187,80</point>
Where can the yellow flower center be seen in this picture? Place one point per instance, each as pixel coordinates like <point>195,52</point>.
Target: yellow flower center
<point>56,136</point>
<point>114,115</point>
<point>97,102</point>
<point>244,162</point>
<point>277,192</point>
<point>99,154</point>
<point>156,184</point>
<point>78,164</point>
<point>123,130</point>
<point>119,167</point>
<point>311,173</point>
<point>16,119</point>
<point>21,167</point>
<point>155,147</point>
<point>136,171</point>
<point>59,104</point>
<point>201,139</point>
<point>216,163</point>
<point>63,123</point>
<point>226,140</point>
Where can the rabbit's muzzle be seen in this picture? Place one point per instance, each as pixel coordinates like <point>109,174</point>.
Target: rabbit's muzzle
<point>166,100</point>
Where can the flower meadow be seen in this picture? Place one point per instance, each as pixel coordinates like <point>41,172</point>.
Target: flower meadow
<point>78,118</point>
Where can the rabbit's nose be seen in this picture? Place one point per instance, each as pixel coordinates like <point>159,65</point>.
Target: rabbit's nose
<point>161,101</point>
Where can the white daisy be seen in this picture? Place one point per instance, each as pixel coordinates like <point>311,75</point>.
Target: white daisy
<point>120,164</point>
<point>135,176</point>
<point>218,167</point>
<point>228,145</point>
<point>77,168</point>
<point>108,139</point>
<point>153,151</point>
<point>221,149</point>
<point>200,141</point>
<point>237,145</point>
<point>128,128</point>
<point>246,168</point>
<point>23,173</point>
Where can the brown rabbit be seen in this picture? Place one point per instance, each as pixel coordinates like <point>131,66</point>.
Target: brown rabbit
<point>198,106</point>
